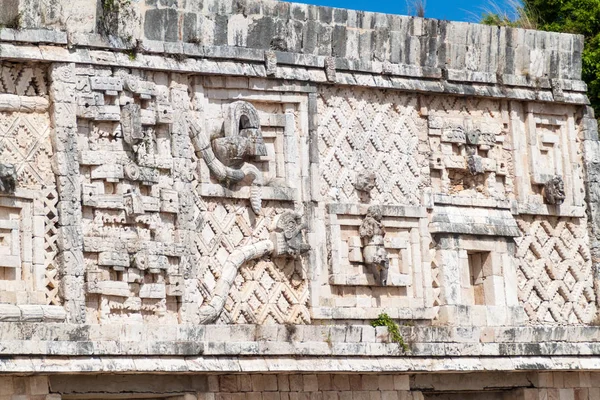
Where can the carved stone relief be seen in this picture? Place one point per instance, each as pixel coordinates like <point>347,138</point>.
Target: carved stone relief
<point>468,158</point>
<point>288,237</point>
<point>376,260</point>
<point>228,157</point>
<point>375,256</point>
<point>268,288</point>
<point>370,131</point>
<point>365,181</point>
<point>154,245</point>
<point>8,179</point>
<point>131,245</point>
<point>552,177</point>
<point>28,197</point>
<point>249,149</point>
<point>178,202</point>
<point>554,191</point>
<point>555,281</point>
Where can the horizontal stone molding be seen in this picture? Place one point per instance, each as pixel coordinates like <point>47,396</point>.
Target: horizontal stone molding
<point>361,341</point>
<point>233,61</point>
<point>31,313</point>
<point>14,103</point>
<point>464,50</point>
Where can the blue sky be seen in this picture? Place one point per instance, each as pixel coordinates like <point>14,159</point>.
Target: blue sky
<point>454,10</point>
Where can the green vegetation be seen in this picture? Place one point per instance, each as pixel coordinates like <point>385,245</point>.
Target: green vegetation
<point>15,22</point>
<point>570,16</point>
<point>328,340</point>
<point>393,329</point>
<point>112,10</point>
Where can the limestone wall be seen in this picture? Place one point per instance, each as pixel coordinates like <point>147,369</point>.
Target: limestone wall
<point>539,386</point>
<point>287,174</point>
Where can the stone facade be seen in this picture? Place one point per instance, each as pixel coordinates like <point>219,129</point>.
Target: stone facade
<point>225,200</point>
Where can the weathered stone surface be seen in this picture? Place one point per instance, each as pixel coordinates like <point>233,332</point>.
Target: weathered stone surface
<point>285,174</point>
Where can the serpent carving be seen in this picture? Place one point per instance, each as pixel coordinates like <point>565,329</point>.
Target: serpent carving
<point>227,157</point>
<point>287,240</point>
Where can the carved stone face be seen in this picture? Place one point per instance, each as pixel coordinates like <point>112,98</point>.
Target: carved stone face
<point>554,191</point>
<point>365,181</point>
<point>288,223</point>
<point>473,137</point>
<point>375,213</point>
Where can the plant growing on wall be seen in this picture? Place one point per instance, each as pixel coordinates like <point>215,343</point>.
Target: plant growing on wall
<point>393,329</point>
<point>570,16</point>
<point>112,11</point>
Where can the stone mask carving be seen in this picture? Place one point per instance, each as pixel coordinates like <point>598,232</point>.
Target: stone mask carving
<point>227,157</point>
<point>288,238</point>
<point>554,191</point>
<point>375,255</point>
<point>243,138</point>
<point>8,178</point>
<point>473,137</point>
<point>365,181</point>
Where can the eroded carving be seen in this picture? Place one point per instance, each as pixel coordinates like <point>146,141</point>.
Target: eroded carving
<point>211,311</point>
<point>228,157</point>
<point>554,191</point>
<point>475,164</point>
<point>375,255</point>
<point>288,236</point>
<point>8,178</point>
<point>470,155</point>
<point>365,181</point>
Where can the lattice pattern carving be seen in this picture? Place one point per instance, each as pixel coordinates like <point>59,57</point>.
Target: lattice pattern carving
<point>25,143</point>
<point>435,278</point>
<point>555,270</point>
<point>374,131</point>
<point>265,290</point>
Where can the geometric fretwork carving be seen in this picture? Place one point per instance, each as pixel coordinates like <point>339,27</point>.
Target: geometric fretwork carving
<point>50,198</point>
<point>25,143</point>
<point>375,131</point>
<point>133,249</point>
<point>555,270</point>
<point>23,79</point>
<point>265,290</point>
